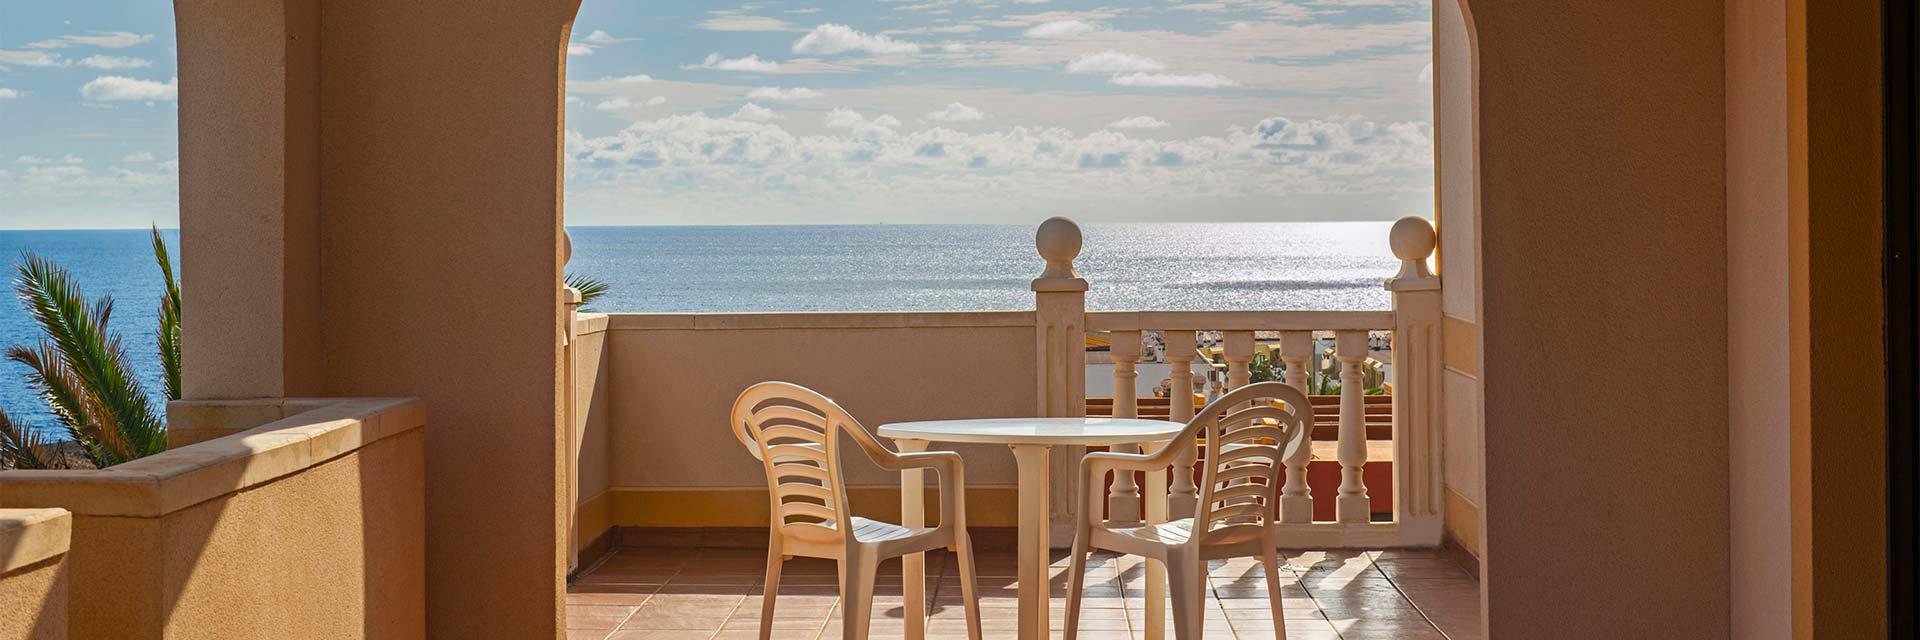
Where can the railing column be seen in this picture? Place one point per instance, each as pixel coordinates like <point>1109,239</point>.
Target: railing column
<point>1123,499</point>
<point>1180,354</point>
<point>1416,383</point>
<point>1350,348</point>
<point>1296,502</point>
<point>1238,349</point>
<point>1060,341</point>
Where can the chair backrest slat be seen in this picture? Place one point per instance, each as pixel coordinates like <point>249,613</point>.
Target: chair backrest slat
<point>795,433</point>
<point>1248,434</point>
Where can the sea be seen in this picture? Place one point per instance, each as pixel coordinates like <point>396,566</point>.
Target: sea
<point>961,267</point>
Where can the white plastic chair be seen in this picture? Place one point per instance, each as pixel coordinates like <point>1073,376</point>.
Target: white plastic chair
<point>795,433</point>
<point>1248,436</point>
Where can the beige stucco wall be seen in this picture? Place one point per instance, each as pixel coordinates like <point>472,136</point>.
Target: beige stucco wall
<point>379,215</point>
<point>1458,217</point>
<point>33,602</point>
<point>589,419</point>
<point>308,527</point>
<point>673,383</point>
<point>1759,364</point>
<point>33,573</point>
<point>1604,278</point>
<point>1834,173</point>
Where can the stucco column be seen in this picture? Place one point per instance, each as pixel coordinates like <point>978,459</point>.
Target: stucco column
<point>371,207</point>
<point>249,201</point>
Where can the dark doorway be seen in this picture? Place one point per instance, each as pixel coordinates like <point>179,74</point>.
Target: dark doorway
<point>1902,280</point>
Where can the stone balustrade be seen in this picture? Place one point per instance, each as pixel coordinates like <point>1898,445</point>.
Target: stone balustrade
<point>661,382</point>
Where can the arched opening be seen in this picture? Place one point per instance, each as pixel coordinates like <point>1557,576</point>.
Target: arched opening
<point>691,114</point>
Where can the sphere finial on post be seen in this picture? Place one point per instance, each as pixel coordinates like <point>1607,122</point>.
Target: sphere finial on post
<point>1413,241</point>
<point>1058,241</point>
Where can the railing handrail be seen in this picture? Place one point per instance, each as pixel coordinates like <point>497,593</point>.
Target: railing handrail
<point>1285,320</point>
<point>758,320</point>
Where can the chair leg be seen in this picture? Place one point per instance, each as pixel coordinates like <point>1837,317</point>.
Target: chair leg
<point>770,594</point>
<point>1076,581</point>
<point>1271,559</point>
<point>970,601</point>
<point>858,572</point>
<point>1186,578</point>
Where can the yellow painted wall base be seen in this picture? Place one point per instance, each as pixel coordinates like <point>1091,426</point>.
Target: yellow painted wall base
<point>728,507</point>
<point>1463,523</point>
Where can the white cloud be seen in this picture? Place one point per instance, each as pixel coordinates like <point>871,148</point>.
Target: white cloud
<point>31,59</point>
<point>137,156</point>
<point>656,101</point>
<point>1426,74</point>
<point>123,89</point>
<point>9,94</point>
<point>828,39</point>
<point>602,37</point>
<point>751,112</point>
<point>1138,122</point>
<point>712,167</point>
<point>1061,29</point>
<point>577,49</point>
<point>1111,61</point>
<point>614,104</point>
<point>736,20</point>
<point>632,79</point>
<point>956,112</point>
<point>751,63</point>
<point>1199,6</point>
<point>107,39</point>
<point>806,10</point>
<point>43,161</point>
<point>952,28</point>
<point>849,119</point>
<point>1200,80</point>
<point>782,94</point>
<point>115,62</point>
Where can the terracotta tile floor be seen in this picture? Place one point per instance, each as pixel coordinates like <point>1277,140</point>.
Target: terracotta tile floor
<point>671,594</point>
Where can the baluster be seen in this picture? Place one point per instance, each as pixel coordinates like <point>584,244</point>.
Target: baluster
<point>1350,348</point>
<point>1180,355</point>
<point>1123,499</point>
<point>1239,354</point>
<point>1296,502</point>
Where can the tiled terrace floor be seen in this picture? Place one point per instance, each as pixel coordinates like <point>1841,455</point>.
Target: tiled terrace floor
<point>674,594</point>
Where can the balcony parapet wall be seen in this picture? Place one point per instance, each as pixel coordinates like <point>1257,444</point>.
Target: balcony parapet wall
<point>323,498</point>
<point>33,573</point>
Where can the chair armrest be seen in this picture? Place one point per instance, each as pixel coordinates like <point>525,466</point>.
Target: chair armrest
<point>943,461</point>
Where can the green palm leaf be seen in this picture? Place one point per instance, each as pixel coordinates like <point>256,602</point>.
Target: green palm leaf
<point>110,396</point>
<point>590,288</point>
<point>169,319</point>
<point>23,449</point>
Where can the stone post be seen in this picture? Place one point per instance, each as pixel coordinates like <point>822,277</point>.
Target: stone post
<point>1060,343</point>
<point>1416,382</point>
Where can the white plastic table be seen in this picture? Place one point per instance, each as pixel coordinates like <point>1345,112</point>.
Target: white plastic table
<point>1031,439</point>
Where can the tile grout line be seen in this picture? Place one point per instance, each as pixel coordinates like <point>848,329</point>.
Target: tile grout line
<point>1300,577</point>
<point>1372,556</point>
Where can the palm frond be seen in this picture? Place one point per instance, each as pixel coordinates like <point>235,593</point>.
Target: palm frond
<point>78,332</point>
<point>169,319</point>
<point>23,449</point>
<point>66,400</point>
<point>590,288</point>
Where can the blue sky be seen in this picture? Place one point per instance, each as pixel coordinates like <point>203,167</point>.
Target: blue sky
<point>802,111</point>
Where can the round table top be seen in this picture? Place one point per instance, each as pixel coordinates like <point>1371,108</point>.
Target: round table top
<point>1065,431</point>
